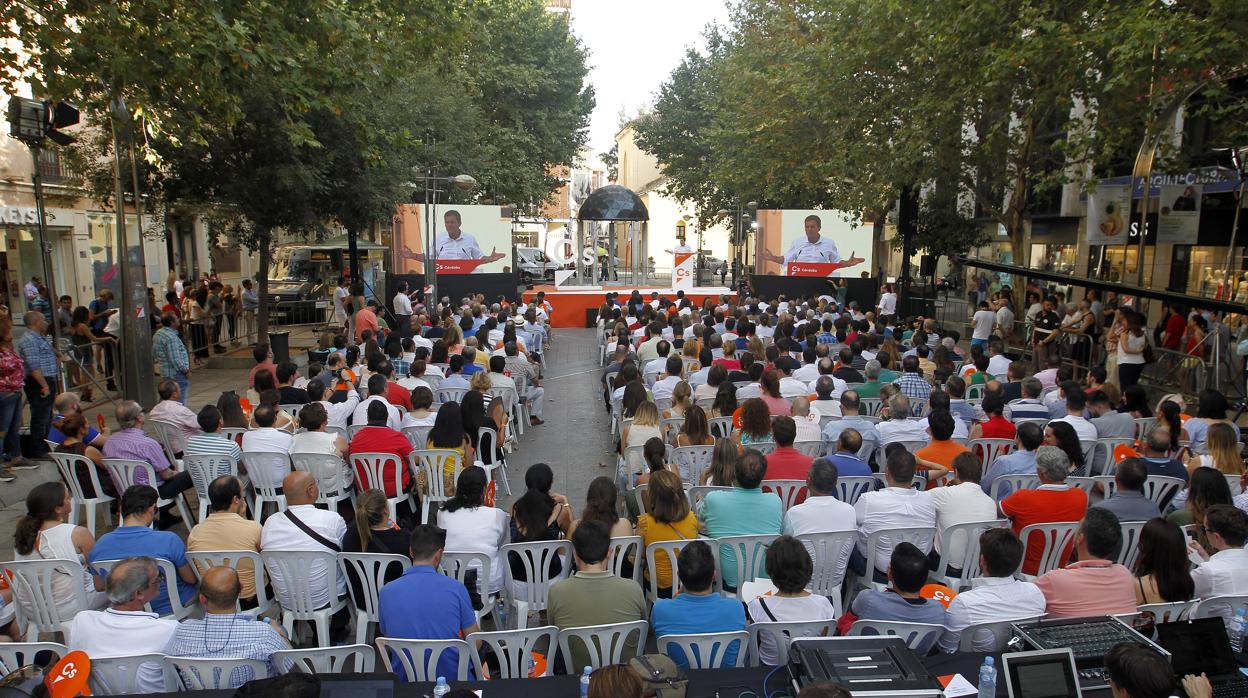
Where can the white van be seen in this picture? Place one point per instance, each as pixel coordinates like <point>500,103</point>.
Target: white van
<point>533,264</point>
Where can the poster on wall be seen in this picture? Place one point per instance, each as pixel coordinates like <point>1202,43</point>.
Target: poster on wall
<point>1178,218</point>
<point>470,239</point>
<point>1109,213</point>
<point>795,242</point>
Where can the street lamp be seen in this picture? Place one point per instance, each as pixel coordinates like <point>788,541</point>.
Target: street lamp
<point>742,221</point>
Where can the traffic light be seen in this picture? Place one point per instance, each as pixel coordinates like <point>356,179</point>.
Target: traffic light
<point>31,120</point>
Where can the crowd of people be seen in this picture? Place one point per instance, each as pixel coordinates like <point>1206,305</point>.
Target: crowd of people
<point>744,398</point>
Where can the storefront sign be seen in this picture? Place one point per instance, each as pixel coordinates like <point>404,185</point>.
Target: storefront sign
<point>1178,219</point>
<point>1109,208</point>
<point>19,215</point>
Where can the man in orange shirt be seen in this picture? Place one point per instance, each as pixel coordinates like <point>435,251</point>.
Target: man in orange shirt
<point>937,456</point>
<point>1053,501</point>
<point>366,319</point>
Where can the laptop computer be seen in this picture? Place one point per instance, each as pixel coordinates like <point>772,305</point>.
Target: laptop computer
<point>1202,646</point>
<point>1041,674</point>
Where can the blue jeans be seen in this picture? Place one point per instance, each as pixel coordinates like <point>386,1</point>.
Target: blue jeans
<point>11,425</point>
<point>184,385</point>
<point>983,343</point>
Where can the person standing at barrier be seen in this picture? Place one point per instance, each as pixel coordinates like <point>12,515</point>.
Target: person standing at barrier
<point>403,310</point>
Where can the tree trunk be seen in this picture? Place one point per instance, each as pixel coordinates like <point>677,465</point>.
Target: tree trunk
<point>264,238</point>
<point>353,251</point>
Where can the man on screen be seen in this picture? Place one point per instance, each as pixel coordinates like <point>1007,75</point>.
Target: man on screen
<point>813,248</point>
<point>456,244</point>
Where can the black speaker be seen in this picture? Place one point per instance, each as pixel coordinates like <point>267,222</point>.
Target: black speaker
<point>927,265</point>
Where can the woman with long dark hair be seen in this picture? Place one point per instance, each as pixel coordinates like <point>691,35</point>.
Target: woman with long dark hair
<point>448,434</point>
<point>232,414</point>
<point>1162,571</point>
<point>695,431</point>
<point>1135,402</point>
<point>473,527</point>
<point>42,534</point>
<point>600,506</point>
<point>536,516</point>
<point>776,404</point>
<point>755,424</point>
<point>725,403</point>
<point>1168,414</point>
<point>1062,435</point>
<point>1205,488</point>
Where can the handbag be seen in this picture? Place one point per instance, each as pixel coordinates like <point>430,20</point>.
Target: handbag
<point>660,676</point>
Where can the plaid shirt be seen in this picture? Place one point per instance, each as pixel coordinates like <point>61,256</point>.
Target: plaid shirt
<point>825,338</point>
<point>401,367</point>
<point>915,387</point>
<point>170,353</point>
<point>36,350</point>
<point>233,635</point>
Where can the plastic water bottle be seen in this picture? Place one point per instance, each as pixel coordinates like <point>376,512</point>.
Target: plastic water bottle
<point>585,681</point>
<point>987,679</point>
<point>500,614</point>
<point>1239,624</point>
<point>441,689</point>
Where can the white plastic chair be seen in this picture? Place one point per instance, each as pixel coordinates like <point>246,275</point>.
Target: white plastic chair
<point>690,461</point>
<point>671,549</point>
<point>671,426</point>
<point>535,558</point>
<point>203,560</point>
<point>1056,539</point>
<point>164,434</point>
<point>331,484</point>
<point>1218,606</point>
<point>988,450</point>
<point>432,461</point>
<point>487,455</point>
<point>326,660</point>
<point>371,470</point>
<point>199,674</point>
<point>119,676</point>
<point>457,564</point>
<point>869,406</point>
<point>1130,549</point>
<point>721,427</point>
<point>1089,448</point>
<point>36,604</point>
<point>967,533</point>
<point>418,659</point>
<point>708,650</point>
<point>124,472</point>
<point>291,573</point>
<point>621,548</point>
<point>850,488</point>
<point>205,469</point>
<point>1086,484</point>
<point>918,482</point>
<point>605,644</point>
<point>67,464</point>
<point>445,395</point>
<point>1016,483</point>
<point>697,493</point>
<point>1148,616</point>
<point>418,436</point>
<point>354,429</point>
<point>829,555</point>
<point>787,490</point>
<point>920,637</point>
<point>814,449</point>
<point>262,469</point>
<point>370,570</point>
<point>15,655</point>
<point>783,633</point>
<point>513,648</point>
<point>1105,455</point>
<point>920,536</point>
<point>764,448</point>
<point>990,636</point>
<point>1143,425</point>
<point>748,555</point>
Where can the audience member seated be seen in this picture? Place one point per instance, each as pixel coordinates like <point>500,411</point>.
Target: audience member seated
<point>228,528</point>
<point>266,438</point>
<point>126,628</point>
<point>377,393</point>
<point>1030,406</point>
<point>593,595</point>
<point>790,568</point>
<point>1128,501</point>
<point>376,437</point>
<point>1138,671</point>
<point>1226,571</point>
<point>305,527</point>
<point>786,462</point>
<point>287,374</point>
<point>1163,573</point>
<point>900,602</point>
<point>1020,461</point>
<point>1095,585</point>
<point>667,518</point>
<point>42,534</point>
<point>172,411</point>
<point>822,403</point>
<point>996,426</point>
<point>695,430</point>
<point>698,608</point>
<point>132,443</point>
<point>744,510</point>
<point>900,426</point>
<point>996,596</point>
<point>210,441</point>
<point>847,457</point>
<point>373,531</point>
<point>66,404</point>
<point>1109,422</point>
<point>538,515</point>
<point>601,500</point>
<point>851,418</point>
<point>1076,401</point>
<point>472,526</point>
<point>755,424</point>
<point>223,632</point>
<point>135,537</point>
<point>337,413</point>
<point>822,511</point>
<point>424,604</point>
<point>898,505</point>
<point>936,458</point>
<point>962,501</point>
<point>807,423</point>
<point>1157,459</point>
<point>1053,501</point>
<point>73,440</point>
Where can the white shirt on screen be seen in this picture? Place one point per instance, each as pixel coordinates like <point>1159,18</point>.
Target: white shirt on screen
<point>463,247</point>
<point>821,250</point>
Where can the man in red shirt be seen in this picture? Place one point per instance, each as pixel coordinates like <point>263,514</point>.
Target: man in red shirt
<point>1176,323</point>
<point>786,462</point>
<point>395,393</point>
<point>379,438</point>
<point>1053,501</point>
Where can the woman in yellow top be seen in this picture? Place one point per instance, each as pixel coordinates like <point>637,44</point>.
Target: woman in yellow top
<point>668,518</point>
<point>448,434</point>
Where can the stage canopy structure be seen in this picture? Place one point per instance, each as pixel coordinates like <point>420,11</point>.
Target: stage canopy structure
<point>609,216</point>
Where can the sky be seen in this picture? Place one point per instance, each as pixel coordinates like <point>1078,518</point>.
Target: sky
<point>633,47</point>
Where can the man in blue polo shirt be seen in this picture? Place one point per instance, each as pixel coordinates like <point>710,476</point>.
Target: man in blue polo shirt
<point>135,538</point>
<point>425,605</point>
<point>697,609</point>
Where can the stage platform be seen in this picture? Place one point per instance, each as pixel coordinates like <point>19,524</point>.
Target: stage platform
<point>571,302</point>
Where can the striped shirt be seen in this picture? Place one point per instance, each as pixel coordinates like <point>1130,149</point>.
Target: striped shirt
<point>212,445</point>
<point>220,635</point>
<point>36,351</point>
<point>169,351</point>
<point>915,387</point>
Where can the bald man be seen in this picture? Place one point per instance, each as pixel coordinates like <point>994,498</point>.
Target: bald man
<point>304,527</point>
<point>807,424</point>
<point>223,632</point>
